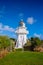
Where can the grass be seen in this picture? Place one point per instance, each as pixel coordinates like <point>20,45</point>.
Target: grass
<point>23,58</point>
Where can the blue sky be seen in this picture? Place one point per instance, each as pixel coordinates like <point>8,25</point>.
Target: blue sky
<point>12,11</point>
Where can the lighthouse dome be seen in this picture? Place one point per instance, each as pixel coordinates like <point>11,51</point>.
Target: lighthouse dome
<point>22,24</point>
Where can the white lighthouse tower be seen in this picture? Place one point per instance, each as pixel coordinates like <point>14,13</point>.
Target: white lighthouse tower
<point>21,33</point>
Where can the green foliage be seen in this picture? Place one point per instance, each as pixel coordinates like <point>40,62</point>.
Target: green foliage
<point>20,49</point>
<point>35,41</point>
<point>13,39</point>
<point>42,43</point>
<point>28,43</point>
<point>38,41</point>
<point>4,41</point>
<point>23,58</point>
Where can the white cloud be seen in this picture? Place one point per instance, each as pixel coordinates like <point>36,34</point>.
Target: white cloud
<point>1,25</point>
<point>31,20</point>
<point>6,28</point>
<point>37,35</point>
<point>1,31</point>
<point>41,36</point>
<point>11,29</point>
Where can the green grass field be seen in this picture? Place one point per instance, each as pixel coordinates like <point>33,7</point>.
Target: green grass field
<point>23,58</point>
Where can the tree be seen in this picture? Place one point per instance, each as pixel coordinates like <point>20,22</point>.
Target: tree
<point>38,41</point>
<point>35,42</point>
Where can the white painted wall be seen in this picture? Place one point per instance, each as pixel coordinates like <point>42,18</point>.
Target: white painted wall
<point>21,40</point>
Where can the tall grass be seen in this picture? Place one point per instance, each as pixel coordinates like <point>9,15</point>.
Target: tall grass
<point>23,58</point>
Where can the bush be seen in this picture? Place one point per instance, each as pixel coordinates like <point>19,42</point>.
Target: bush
<point>20,49</point>
<point>4,42</point>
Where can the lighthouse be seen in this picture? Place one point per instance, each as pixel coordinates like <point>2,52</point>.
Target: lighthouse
<point>21,33</point>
